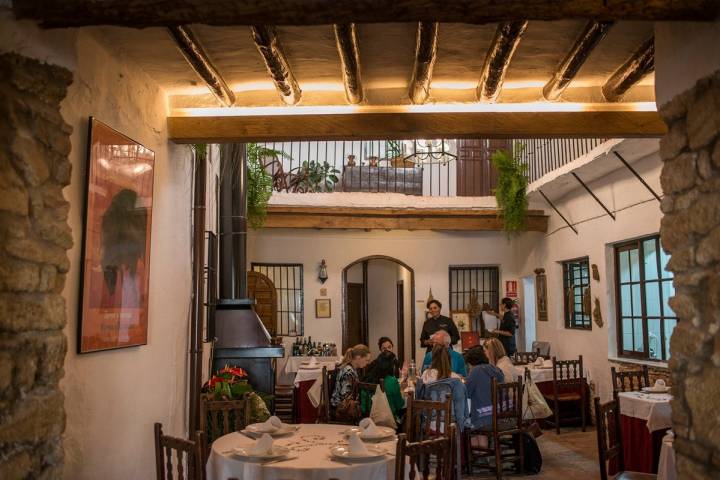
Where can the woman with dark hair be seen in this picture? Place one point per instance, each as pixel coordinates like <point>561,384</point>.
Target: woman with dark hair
<point>506,330</point>
<point>384,372</point>
<point>479,386</point>
<point>436,322</point>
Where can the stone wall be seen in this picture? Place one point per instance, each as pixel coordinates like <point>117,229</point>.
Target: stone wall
<point>35,236</point>
<point>690,232</point>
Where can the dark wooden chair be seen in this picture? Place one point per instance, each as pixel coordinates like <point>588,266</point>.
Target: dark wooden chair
<point>177,455</point>
<point>507,424</point>
<point>426,419</point>
<point>425,454</point>
<point>609,439</point>
<point>325,414</point>
<point>524,358</point>
<point>568,387</point>
<point>220,417</point>
<point>630,380</point>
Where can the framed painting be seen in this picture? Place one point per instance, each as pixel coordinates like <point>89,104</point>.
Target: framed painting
<point>116,242</point>
<point>541,294</point>
<point>322,308</point>
<point>461,319</point>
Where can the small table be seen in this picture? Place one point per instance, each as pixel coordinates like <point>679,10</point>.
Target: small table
<point>311,444</point>
<point>644,418</point>
<point>293,363</point>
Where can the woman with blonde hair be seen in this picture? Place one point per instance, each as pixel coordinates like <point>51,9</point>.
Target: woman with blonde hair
<point>496,355</point>
<point>440,368</point>
<point>355,358</point>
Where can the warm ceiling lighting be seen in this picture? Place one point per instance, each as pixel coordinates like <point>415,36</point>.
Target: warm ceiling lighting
<point>453,85</point>
<point>426,108</point>
<point>523,84</point>
<point>270,87</point>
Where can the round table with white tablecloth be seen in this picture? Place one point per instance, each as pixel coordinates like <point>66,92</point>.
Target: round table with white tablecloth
<point>311,445</point>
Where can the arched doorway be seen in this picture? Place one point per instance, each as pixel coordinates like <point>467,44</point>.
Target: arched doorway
<point>379,300</point>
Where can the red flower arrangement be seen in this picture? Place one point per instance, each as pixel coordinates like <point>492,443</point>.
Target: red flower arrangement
<point>229,383</point>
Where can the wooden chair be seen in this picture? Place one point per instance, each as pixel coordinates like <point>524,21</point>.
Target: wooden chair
<point>328,386</point>
<point>609,438</point>
<point>220,417</point>
<point>189,457</point>
<point>423,454</point>
<point>506,422</point>
<point>568,387</point>
<point>630,380</point>
<point>426,419</point>
<point>524,358</point>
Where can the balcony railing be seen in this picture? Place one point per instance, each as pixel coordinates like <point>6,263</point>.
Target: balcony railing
<point>388,166</point>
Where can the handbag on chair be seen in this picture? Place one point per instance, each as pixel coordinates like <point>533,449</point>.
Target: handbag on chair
<point>348,410</point>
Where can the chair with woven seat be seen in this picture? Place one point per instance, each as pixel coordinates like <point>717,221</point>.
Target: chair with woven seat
<point>609,439</point>
<point>568,387</point>
<point>506,422</point>
<point>524,358</point>
<point>424,455</point>
<point>220,417</point>
<point>174,455</point>
<point>630,380</point>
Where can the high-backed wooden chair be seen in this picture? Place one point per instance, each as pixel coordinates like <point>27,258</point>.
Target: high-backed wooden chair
<point>427,419</point>
<point>569,387</point>
<point>220,417</point>
<point>506,422</point>
<point>326,389</point>
<point>630,380</point>
<point>523,358</point>
<point>609,439</point>
<point>424,454</point>
<point>173,455</point>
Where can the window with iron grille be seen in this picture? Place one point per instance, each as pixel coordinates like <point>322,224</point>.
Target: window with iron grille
<point>288,281</point>
<point>643,290</point>
<point>484,281</point>
<point>576,285</point>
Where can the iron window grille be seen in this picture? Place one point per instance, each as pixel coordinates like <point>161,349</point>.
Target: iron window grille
<point>577,300</point>
<point>466,278</point>
<point>288,281</point>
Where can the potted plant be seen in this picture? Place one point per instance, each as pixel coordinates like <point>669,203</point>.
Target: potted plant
<point>511,190</point>
<point>315,177</point>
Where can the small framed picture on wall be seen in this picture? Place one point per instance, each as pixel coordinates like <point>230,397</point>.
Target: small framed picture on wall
<point>461,319</point>
<point>322,308</point>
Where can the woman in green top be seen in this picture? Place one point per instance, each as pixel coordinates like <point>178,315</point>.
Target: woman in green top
<point>383,371</point>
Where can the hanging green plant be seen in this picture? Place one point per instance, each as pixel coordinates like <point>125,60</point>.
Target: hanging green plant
<point>511,190</point>
<point>260,182</point>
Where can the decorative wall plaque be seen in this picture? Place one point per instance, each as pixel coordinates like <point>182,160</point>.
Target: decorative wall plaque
<point>541,294</point>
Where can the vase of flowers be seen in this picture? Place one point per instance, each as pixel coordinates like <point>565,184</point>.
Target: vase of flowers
<point>230,383</point>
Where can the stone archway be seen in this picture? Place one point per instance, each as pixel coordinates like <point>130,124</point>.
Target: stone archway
<point>34,168</point>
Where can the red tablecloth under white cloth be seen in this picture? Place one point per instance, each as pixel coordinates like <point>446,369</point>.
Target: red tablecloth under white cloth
<point>311,444</point>
<point>293,363</point>
<point>654,408</point>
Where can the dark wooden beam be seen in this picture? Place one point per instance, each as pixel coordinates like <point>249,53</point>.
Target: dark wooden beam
<point>507,38</point>
<point>591,35</point>
<point>425,56</point>
<point>267,43</point>
<point>148,13</point>
<point>195,55</point>
<point>640,63</point>
<point>368,126</point>
<point>467,219</point>
<point>347,46</point>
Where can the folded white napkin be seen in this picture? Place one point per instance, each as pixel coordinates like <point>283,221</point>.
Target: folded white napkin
<point>262,446</point>
<point>313,362</point>
<point>355,445</point>
<point>539,362</point>
<point>271,424</point>
<point>659,383</point>
<point>368,427</point>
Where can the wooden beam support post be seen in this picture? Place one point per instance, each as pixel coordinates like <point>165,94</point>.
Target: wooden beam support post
<point>347,47</point>
<point>195,55</point>
<point>592,34</point>
<point>507,38</point>
<point>267,43</point>
<point>425,56</point>
<point>640,63</point>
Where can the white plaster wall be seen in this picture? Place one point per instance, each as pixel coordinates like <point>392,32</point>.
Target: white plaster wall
<point>382,302</point>
<point>428,253</point>
<point>638,215</point>
<point>408,342</point>
<point>113,398</point>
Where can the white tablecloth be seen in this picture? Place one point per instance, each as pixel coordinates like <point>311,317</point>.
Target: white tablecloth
<point>654,408</point>
<point>312,445</point>
<point>293,363</point>
<point>666,465</point>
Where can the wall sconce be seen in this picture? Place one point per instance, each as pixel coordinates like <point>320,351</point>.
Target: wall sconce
<point>322,274</point>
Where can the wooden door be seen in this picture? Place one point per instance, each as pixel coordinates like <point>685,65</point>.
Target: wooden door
<point>476,177</point>
<point>355,330</point>
<point>262,289</point>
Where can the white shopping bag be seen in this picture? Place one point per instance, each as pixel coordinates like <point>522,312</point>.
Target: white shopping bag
<point>381,413</point>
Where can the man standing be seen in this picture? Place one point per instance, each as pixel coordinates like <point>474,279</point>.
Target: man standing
<point>437,322</point>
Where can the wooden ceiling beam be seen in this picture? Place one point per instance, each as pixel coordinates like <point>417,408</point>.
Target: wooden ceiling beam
<point>349,52</point>
<point>267,43</point>
<point>425,56</point>
<point>582,48</point>
<point>640,64</point>
<point>149,13</point>
<point>406,125</point>
<point>192,50</point>
<point>507,38</point>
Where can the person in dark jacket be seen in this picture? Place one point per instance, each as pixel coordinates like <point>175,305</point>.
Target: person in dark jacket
<point>478,384</point>
<point>506,330</point>
<point>436,322</point>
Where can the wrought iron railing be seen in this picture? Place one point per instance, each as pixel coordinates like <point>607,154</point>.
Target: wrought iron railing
<point>543,155</point>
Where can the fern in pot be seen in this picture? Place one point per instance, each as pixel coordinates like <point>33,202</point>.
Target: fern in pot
<point>511,190</point>
<point>260,182</point>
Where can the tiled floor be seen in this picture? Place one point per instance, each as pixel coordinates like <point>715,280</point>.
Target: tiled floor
<point>570,456</point>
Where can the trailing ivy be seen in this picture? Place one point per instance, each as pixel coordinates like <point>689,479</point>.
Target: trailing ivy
<point>260,183</point>
<point>511,190</point>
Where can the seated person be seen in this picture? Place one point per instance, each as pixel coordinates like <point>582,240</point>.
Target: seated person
<point>385,344</point>
<point>457,362</point>
<point>496,355</point>
<point>439,366</point>
<point>384,372</point>
<point>479,386</point>
<point>355,358</point>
